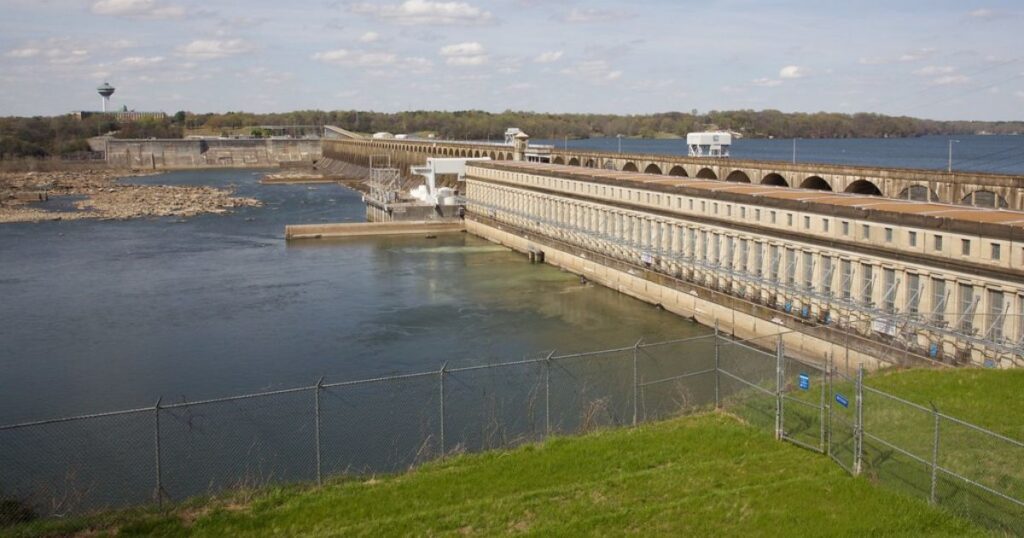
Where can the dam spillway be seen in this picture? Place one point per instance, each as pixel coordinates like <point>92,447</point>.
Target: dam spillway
<point>887,281</point>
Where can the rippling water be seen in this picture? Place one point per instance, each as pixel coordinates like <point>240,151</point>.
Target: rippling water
<point>100,315</point>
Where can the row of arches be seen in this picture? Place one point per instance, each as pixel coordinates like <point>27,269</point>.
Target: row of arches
<point>473,153</point>
<point>979,198</point>
<point>861,186</point>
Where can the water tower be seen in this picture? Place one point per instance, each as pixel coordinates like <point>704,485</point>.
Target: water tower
<point>105,91</point>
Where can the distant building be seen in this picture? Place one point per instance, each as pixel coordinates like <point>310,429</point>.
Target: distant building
<point>121,116</point>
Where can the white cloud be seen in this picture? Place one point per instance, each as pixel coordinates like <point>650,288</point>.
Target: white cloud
<point>141,61</point>
<point>462,49</point>
<point>415,12</point>
<point>270,76</point>
<point>142,9</point>
<point>916,55</point>
<point>932,70</point>
<point>982,13</point>
<point>767,82</point>
<point>27,52</point>
<point>548,57</point>
<point>792,72</point>
<point>466,60</point>
<point>209,49</point>
<point>950,80</point>
<point>355,58</point>
<point>369,37</point>
<point>593,70</point>
<point>590,15</point>
<point>464,54</point>
<point>62,56</point>
<point>417,65</point>
<point>1019,94</point>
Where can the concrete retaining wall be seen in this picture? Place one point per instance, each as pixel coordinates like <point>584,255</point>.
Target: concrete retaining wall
<point>362,229</point>
<point>688,303</point>
<point>170,154</point>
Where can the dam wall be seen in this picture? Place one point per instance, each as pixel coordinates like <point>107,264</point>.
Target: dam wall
<point>903,282</point>
<point>163,154</point>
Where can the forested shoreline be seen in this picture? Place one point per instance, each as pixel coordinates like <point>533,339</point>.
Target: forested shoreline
<point>64,135</point>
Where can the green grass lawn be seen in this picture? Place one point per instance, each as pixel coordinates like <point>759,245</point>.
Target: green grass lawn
<point>988,398</point>
<point>702,475</point>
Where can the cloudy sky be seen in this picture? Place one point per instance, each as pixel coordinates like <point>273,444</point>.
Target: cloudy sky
<point>930,58</point>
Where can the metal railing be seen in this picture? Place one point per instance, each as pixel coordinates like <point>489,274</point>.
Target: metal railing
<point>919,333</point>
<point>174,450</point>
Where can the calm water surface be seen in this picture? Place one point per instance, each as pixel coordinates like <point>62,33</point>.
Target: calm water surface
<point>1001,154</point>
<point>101,315</point>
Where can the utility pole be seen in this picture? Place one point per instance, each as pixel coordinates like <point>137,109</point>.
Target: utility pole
<point>794,151</point>
<point>619,136</point>
<point>949,165</point>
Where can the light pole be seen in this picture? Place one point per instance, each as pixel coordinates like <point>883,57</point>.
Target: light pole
<point>949,164</point>
<point>620,142</point>
<point>794,151</point>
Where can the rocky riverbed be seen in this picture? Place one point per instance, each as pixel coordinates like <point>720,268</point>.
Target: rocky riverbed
<point>104,197</point>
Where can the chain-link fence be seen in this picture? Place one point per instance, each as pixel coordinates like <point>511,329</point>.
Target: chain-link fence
<point>175,450</point>
<point>969,470</point>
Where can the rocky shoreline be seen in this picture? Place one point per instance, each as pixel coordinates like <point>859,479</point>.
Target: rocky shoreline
<point>107,198</point>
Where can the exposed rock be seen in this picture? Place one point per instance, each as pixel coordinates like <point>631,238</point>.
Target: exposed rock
<point>106,198</point>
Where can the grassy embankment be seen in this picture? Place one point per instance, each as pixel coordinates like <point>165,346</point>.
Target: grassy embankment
<point>701,475</point>
<point>987,398</point>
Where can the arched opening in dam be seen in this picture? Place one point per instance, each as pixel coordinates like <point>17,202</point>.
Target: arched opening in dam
<point>863,186</point>
<point>816,183</point>
<point>678,171</point>
<point>630,167</point>
<point>983,198</point>
<point>652,169</point>
<point>738,176</point>
<point>919,193</point>
<point>707,173</point>
<point>574,161</point>
<point>774,179</point>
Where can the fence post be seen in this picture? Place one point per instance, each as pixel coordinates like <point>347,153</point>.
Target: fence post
<point>718,401</point>
<point>827,425</point>
<point>636,380</point>
<point>933,498</point>
<point>858,427</point>
<point>779,380</point>
<point>316,428</point>
<point>441,375</point>
<point>158,492</point>
<point>822,402</point>
<point>547,394</point>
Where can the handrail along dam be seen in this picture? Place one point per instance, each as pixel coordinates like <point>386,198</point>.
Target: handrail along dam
<point>842,274</point>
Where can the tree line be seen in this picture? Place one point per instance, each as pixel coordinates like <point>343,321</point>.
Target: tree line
<point>61,135</point>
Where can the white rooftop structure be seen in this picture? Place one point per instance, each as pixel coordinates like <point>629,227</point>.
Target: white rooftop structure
<point>709,144</point>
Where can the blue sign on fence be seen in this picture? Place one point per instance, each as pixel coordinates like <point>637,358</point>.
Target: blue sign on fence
<point>841,400</point>
<point>805,381</point>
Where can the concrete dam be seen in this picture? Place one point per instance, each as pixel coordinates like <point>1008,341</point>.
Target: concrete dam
<point>221,153</point>
<point>848,275</point>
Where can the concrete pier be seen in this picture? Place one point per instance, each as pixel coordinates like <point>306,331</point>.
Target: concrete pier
<point>367,229</point>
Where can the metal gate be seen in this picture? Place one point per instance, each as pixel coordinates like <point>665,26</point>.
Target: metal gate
<point>801,400</point>
<point>843,406</point>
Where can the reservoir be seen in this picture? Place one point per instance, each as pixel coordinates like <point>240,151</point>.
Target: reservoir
<point>105,315</point>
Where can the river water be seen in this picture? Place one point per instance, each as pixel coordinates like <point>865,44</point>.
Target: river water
<point>1000,154</point>
<point>103,315</point>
